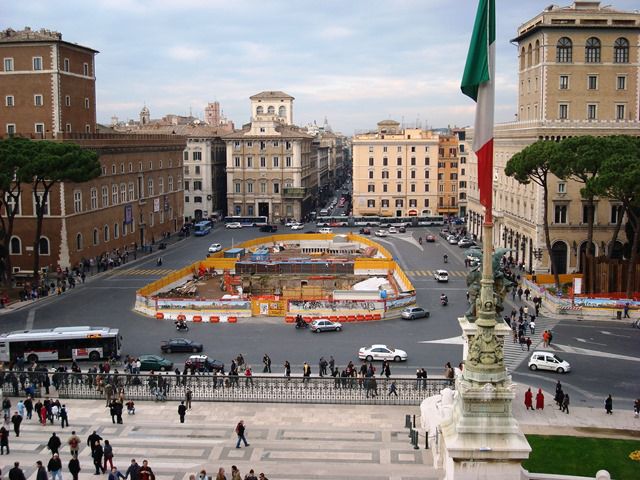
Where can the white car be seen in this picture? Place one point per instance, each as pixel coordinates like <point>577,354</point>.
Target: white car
<point>290,223</point>
<point>381,233</point>
<point>233,225</point>
<point>548,361</point>
<point>325,230</point>
<point>393,230</point>
<point>381,352</point>
<point>297,226</point>
<point>441,276</point>
<point>215,247</point>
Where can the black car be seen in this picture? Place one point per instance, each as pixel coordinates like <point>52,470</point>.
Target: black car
<point>203,363</point>
<point>180,345</point>
<point>269,228</point>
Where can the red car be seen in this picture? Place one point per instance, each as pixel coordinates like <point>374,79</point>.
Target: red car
<point>430,238</point>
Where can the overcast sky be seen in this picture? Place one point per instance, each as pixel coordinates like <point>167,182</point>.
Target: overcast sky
<point>355,62</point>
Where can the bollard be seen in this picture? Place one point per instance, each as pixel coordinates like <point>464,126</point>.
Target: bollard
<point>415,440</point>
<point>407,421</point>
<point>414,421</point>
<point>426,441</point>
<point>410,433</point>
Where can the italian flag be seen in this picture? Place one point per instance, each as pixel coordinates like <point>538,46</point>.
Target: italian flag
<point>478,82</point>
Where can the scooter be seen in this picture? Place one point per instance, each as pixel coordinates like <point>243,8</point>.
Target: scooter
<point>445,258</point>
<point>182,327</point>
<point>302,324</point>
<point>444,301</point>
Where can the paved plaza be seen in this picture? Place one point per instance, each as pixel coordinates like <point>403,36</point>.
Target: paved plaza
<point>287,441</point>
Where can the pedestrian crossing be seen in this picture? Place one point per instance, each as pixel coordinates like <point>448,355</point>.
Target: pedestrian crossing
<point>138,272</point>
<point>431,273</point>
<point>513,353</point>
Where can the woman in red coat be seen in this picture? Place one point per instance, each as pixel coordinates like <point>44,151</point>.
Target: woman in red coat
<point>539,400</point>
<point>528,399</point>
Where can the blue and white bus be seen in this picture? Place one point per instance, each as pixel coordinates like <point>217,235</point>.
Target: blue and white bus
<point>247,221</point>
<point>202,228</point>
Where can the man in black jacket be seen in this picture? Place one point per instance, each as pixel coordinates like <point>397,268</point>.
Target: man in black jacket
<point>16,472</point>
<point>42,472</point>
<point>91,440</point>
<point>133,472</point>
<point>182,411</point>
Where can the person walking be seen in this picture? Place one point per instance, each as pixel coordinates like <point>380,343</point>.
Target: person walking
<point>74,467</point>
<point>92,439</point>
<point>115,474</point>
<point>54,443</point>
<point>16,472</point>
<point>16,419</point>
<point>182,411</point>
<point>188,396</point>
<point>528,399</point>
<point>133,472</point>
<point>287,369</point>
<point>74,443</point>
<point>41,471</point>
<point>240,429</point>
<point>392,389</point>
<point>4,440</point>
<point>528,342</point>
<point>107,452</point>
<point>306,372</point>
<point>626,310</point>
<point>545,339</point>
<point>266,360</point>
<point>55,467</point>
<point>97,453</point>
<point>608,405</point>
<point>532,326</point>
<point>145,471</point>
<point>565,403</point>
<point>539,400</point>
<point>64,416</point>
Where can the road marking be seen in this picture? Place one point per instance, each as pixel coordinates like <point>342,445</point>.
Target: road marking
<point>447,341</point>
<point>31,316</point>
<point>583,340</point>
<point>604,332</point>
<point>594,353</point>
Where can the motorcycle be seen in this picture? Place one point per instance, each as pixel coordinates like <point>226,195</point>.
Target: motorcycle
<point>445,258</point>
<point>302,324</point>
<point>182,327</point>
<point>444,301</point>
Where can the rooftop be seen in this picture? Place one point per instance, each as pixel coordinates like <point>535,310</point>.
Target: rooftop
<point>35,36</point>
<point>270,94</point>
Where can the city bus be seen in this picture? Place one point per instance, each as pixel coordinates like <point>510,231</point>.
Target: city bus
<point>61,343</point>
<point>332,221</point>
<point>247,221</point>
<point>366,221</point>
<point>430,220</point>
<point>202,228</point>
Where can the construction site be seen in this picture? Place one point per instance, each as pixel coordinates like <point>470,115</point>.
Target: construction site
<point>348,277</point>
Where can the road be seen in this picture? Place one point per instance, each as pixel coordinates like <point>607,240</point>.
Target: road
<point>430,343</point>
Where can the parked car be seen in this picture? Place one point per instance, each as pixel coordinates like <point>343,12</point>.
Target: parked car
<point>402,229</point>
<point>324,325</point>
<point>465,243</point>
<point>548,361</point>
<point>204,363</point>
<point>381,233</point>
<point>180,345</point>
<point>290,222</point>
<point>441,275</point>
<point>297,226</point>
<point>215,247</point>
<point>365,231</point>
<point>154,362</point>
<point>325,230</point>
<point>381,352</point>
<point>233,225</point>
<point>269,228</point>
<point>430,238</point>
<point>452,239</point>
<point>411,313</point>
<point>393,230</point>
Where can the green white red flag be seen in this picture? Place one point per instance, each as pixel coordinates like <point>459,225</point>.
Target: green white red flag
<point>478,83</point>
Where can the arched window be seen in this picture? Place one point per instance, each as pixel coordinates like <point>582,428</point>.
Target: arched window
<point>259,110</point>
<point>271,110</point>
<point>522,58</point>
<point>15,248</point>
<point>116,230</point>
<point>96,237</point>
<point>529,55</point>
<point>621,50</point>
<point>43,246</point>
<point>564,50</point>
<point>537,52</point>
<point>105,234</point>
<point>282,111</point>
<point>79,242</point>
<point>592,50</point>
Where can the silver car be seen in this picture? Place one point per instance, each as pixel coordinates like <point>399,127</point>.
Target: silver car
<point>411,313</point>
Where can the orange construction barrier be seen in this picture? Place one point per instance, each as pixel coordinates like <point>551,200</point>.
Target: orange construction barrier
<point>197,318</point>
<point>232,320</point>
<point>360,318</point>
<point>182,317</point>
<point>290,319</point>
<point>368,317</point>
<point>160,316</point>
<point>342,318</point>
<point>377,316</point>
<point>214,319</point>
<point>351,318</point>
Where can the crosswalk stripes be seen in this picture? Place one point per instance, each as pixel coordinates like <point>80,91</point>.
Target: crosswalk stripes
<point>430,273</point>
<point>513,353</point>
<point>136,272</point>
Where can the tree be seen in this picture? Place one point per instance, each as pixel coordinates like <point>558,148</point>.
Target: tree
<point>619,179</point>
<point>534,164</point>
<point>52,163</point>
<point>15,154</point>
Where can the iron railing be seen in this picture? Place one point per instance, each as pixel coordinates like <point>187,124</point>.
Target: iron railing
<point>228,388</point>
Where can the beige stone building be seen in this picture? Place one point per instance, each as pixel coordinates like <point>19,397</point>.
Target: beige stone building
<point>269,167</point>
<point>578,75</point>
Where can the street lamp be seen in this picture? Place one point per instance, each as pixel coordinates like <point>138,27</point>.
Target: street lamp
<point>537,252</point>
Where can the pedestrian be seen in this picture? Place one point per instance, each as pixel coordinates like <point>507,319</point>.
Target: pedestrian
<point>392,389</point>
<point>608,405</point>
<point>133,472</point>
<point>182,411</point>
<point>520,293</point>
<point>115,474</point>
<point>188,396</point>
<point>145,471</point>
<point>64,416</point>
<point>251,475</point>
<point>636,408</point>
<point>626,310</point>
<point>235,473</point>
<point>6,407</point>
<point>321,367</point>
<point>332,364</point>
<point>74,467</point>
<point>266,360</point>
<point>54,443</point>
<point>528,343</point>
<point>525,311</point>
<point>550,338</point>
<point>539,400</point>
<point>559,397</point>
<point>74,443</point>
<point>16,420</point>
<point>545,339</point>
<point>107,452</point>
<point>42,472</point>
<point>16,472</point>
<point>306,372</point>
<point>97,454</point>
<point>287,369</point>
<point>528,399</point>
<point>532,326</point>
<point>527,292</point>
<point>240,429</point>
<point>28,405</point>
<point>565,403</point>
<point>262,477</point>
<point>387,370</point>
<point>55,467</point>
<point>91,440</point>
<point>221,475</point>
<point>4,440</point>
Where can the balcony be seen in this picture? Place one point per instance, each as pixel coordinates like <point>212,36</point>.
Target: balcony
<point>294,192</point>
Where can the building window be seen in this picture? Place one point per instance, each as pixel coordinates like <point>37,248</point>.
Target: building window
<point>399,187</point>
<point>94,198</point>
<point>385,174</point>
<point>79,242</point>
<point>249,187</point>
<point>263,187</point>
<point>105,197</point>
<point>39,128</point>
<point>615,211</point>
<point>399,202</point>
<point>399,161</point>
<point>560,214</point>
<point>263,162</point>
<point>249,162</point>
<point>197,156</point>
<point>562,187</point>
<point>87,128</point>
<point>123,193</point>
<point>276,162</point>
<point>426,203</point>
<point>77,201</point>
<point>564,82</point>
<point>413,161</point>
<point>8,64</point>
<point>197,169</point>
<point>620,111</point>
<point>587,211</point>
<point>122,167</point>
<point>68,127</point>
<point>236,187</point>
<point>621,50</point>
<point>592,50</point>
<point>287,161</point>
<point>413,203</point>
<point>114,194</point>
<point>37,100</point>
<point>197,199</point>
<point>152,219</point>
<point>96,238</point>
<point>426,161</point>
<point>564,50</point>
<point>160,185</point>
<point>43,246</point>
<point>371,188</point>
<point>132,190</point>
<point>621,82</point>
<point>85,69</point>
<point>426,187</point>
<point>186,170</point>
<point>276,188</point>
<point>11,128</point>
<point>371,203</point>
<point>399,174</point>
<point>150,187</point>
<point>413,187</point>
<point>65,65</point>
<point>9,101</point>
<point>67,100</point>
<point>592,82</point>
<point>186,199</point>
<point>15,247</point>
<point>592,111</point>
<point>37,63</point>
<point>563,111</point>
<point>413,174</point>
<point>197,185</point>
<point>371,161</point>
<point>385,203</point>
